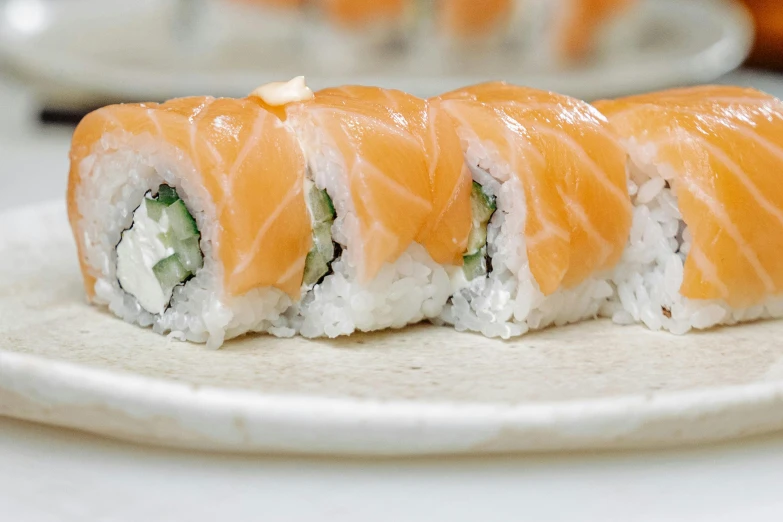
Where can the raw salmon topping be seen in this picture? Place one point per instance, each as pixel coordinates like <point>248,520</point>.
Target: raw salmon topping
<point>724,146</point>
<point>571,167</point>
<point>246,159</point>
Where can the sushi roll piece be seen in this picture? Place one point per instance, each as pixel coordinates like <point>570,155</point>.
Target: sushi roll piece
<point>385,200</point>
<point>705,179</point>
<point>190,216</point>
<point>445,232</point>
<point>550,209</point>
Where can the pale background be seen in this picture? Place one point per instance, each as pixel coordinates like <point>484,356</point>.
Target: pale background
<point>49,474</point>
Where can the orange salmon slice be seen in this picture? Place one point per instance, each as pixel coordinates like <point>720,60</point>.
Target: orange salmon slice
<point>357,13</point>
<point>385,168</point>
<point>445,232</point>
<point>581,22</point>
<point>725,145</point>
<point>571,167</point>
<point>249,163</point>
<point>472,18</point>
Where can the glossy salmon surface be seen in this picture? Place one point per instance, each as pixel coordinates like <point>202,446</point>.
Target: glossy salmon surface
<point>572,169</point>
<point>386,172</point>
<point>445,232</point>
<point>724,146</point>
<point>247,160</point>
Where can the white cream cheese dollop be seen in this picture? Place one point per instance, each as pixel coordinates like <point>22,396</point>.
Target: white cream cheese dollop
<point>280,93</point>
<point>140,249</point>
<point>457,278</point>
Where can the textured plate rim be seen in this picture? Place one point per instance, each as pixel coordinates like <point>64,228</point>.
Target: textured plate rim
<point>130,406</point>
<point>224,419</point>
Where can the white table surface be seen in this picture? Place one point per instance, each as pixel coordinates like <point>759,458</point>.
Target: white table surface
<point>49,474</point>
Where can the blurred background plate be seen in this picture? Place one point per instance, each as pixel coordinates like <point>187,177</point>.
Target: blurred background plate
<point>86,52</point>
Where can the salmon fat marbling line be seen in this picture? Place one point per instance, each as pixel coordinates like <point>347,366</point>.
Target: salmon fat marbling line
<point>494,208</point>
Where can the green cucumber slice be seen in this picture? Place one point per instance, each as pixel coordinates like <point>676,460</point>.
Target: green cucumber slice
<point>189,254</point>
<point>321,205</point>
<point>154,208</point>
<point>181,222</point>
<point>323,251</point>
<point>167,239</point>
<point>322,239</point>
<point>315,268</point>
<point>482,205</point>
<point>167,195</point>
<point>475,265</point>
<point>170,271</point>
<point>477,239</point>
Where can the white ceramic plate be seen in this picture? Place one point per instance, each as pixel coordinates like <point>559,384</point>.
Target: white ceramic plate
<point>423,390</point>
<point>110,49</point>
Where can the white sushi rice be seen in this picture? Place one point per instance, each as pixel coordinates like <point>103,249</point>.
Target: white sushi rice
<point>411,289</point>
<point>407,291</point>
<point>508,302</point>
<point>115,176</point>
<point>648,278</point>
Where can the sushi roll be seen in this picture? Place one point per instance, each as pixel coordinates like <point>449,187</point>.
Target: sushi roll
<point>445,232</point>
<point>190,216</point>
<point>550,209</point>
<point>400,198</point>
<point>707,227</point>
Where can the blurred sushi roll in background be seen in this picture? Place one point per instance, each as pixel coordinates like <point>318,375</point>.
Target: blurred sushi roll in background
<point>353,36</point>
<point>264,32</point>
<point>427,36</point>
<point>568,33</point>
<point>495,36</point>
<point>458,36</point>
<point>768,20</point>
<point>580,26</point>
